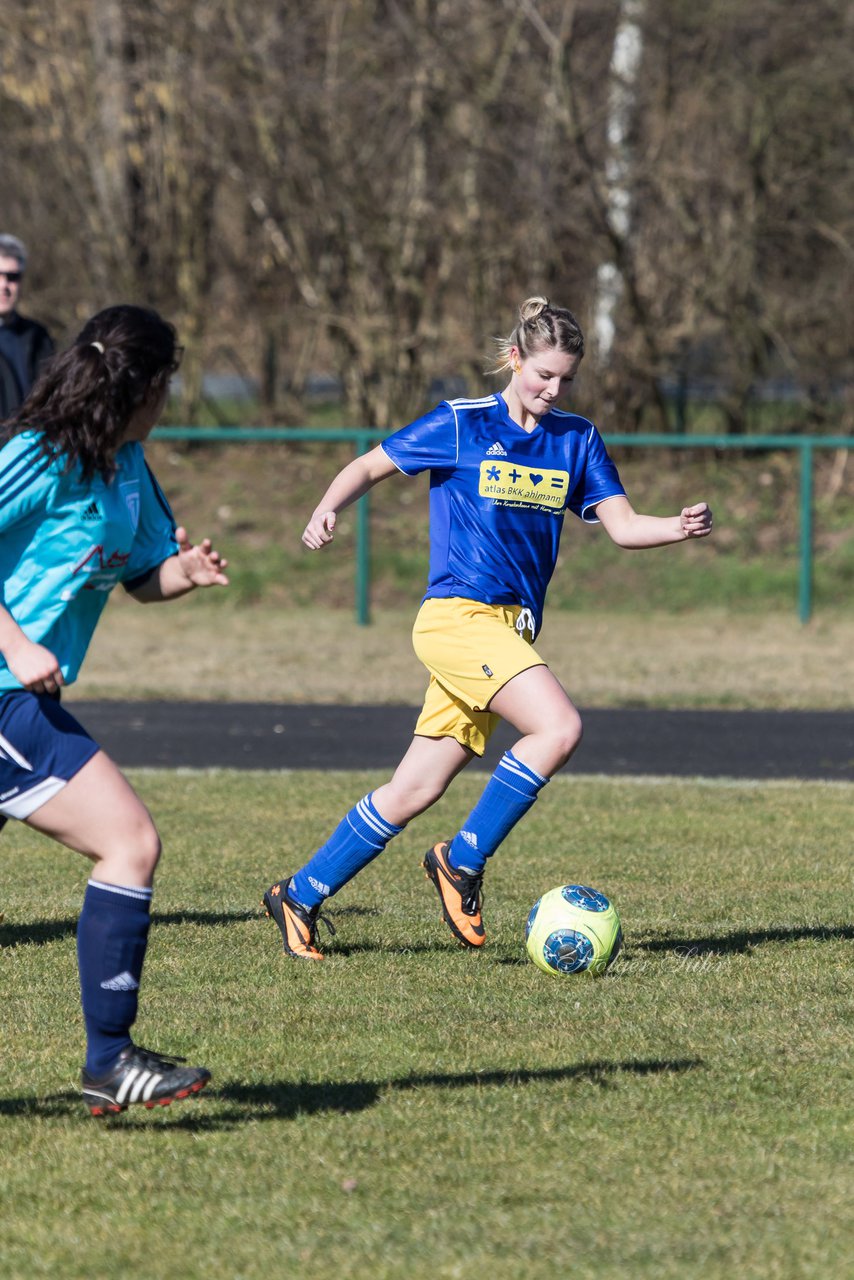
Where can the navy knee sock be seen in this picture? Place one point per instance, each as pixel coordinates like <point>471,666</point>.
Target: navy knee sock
<point>112,935</point>
<point>506,798</point>
<point>360,836</point>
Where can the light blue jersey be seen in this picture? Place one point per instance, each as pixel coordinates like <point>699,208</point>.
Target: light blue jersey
<point>65,542</point>
<point>498,495</point>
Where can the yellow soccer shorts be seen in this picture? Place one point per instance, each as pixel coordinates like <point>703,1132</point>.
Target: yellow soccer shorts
<point>471,650</point>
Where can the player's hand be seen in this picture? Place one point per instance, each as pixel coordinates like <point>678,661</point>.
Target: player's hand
<point>696,521</point>
<point>199,563</point>
<point>320,530</point>
<point>35,666</point>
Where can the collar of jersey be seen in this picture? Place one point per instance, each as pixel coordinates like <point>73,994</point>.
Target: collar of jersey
<point>502,403</point>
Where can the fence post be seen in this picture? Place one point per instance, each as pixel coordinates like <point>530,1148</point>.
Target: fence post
<point>806,567</point>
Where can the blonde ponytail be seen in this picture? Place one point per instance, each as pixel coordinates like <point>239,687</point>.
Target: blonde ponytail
<point>532,309</point>
<point>539,325</point>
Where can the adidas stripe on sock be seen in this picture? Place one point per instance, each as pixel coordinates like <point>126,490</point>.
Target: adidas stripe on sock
<point>359,837</point>
<point>506,798</point>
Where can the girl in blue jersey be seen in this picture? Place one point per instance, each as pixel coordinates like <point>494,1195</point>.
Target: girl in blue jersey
<point>79,512</point>
<point>504,469</point>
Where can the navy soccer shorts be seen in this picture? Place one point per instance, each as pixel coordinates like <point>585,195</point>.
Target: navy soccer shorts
<point>42,747</point>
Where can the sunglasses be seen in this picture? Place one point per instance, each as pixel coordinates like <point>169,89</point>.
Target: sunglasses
<point>12,276</point>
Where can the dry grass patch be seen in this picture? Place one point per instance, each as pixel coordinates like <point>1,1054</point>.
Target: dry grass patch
<point>201,649</point>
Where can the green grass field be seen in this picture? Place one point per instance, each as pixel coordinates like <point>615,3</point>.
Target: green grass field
<point>407,1109</point>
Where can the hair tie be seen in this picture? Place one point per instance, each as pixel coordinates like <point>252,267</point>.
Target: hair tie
<point>99,346</point>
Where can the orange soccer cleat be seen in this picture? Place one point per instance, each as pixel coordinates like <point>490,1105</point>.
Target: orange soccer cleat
<point>297,925</point>
<point>460,895</point>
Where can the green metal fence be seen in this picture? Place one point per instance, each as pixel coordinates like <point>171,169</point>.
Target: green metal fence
<point>363,439</point>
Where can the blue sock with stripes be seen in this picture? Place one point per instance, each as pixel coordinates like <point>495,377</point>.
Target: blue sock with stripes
<point>112,935</point>
<point>506,798</point>
<point>356,841</point>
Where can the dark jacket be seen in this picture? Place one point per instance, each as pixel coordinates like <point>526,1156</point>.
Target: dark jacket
<point>33,344</point>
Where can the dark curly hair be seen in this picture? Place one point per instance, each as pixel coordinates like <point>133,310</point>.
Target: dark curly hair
<point>85,397</point>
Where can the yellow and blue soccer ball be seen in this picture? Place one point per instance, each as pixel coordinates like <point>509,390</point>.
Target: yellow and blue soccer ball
<point>573,929</point>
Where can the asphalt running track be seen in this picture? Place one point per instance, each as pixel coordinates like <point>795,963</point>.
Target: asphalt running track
<point>632,741</point>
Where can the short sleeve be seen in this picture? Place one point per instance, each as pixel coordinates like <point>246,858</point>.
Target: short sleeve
<point>429,442</point>
<point>154,540</point>
<point>27,480</point>
<point>600,479</point>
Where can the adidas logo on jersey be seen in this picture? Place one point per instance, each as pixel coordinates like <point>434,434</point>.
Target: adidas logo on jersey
<point>92,512</point>
<point>496,450</point>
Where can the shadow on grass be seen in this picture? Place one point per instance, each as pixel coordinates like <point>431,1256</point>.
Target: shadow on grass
<point>238,1103</point>
<point>332,950</point>
<point>39,932</point>
<point>744,940</point>
<point>335,912</point>
<point>36,932</point>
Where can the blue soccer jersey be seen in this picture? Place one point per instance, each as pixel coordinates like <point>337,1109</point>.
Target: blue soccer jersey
<point>65,542</point>
<point>498,495</point>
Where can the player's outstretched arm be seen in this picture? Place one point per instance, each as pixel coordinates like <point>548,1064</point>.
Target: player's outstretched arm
<point>629,529</point>
<point>194,565</point>
<point>352,483</point>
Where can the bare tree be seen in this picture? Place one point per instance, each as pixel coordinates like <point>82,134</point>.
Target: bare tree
<point>119,98</point>
<point>371,185</point>
<point>625,64</point>
<point>743,229</point>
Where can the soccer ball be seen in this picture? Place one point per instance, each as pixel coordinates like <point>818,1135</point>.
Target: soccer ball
<point>573,929</point>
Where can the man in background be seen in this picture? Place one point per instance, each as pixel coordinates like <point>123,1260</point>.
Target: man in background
<point>24,344</point>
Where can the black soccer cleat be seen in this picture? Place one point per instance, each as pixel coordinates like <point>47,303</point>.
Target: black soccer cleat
<point>141,1076</point>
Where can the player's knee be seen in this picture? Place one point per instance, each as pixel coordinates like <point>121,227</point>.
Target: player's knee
<point>415,799</point>
<point>430,792</point>
<point>143,849</point>
<point>568,735</point>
